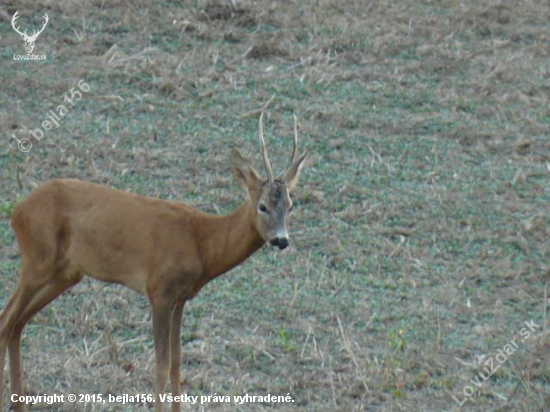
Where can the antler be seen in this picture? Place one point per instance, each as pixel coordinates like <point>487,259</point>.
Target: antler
<point>15,16</point>
<point>295,147</point>
<point>264,151</point>
<point>34,34</point>
<point>46,20</point>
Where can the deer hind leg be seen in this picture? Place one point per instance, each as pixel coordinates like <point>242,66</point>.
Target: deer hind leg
<point>44,296</point>
<point>28,299</point>
<point>8,320</point>
<point>4,337</point>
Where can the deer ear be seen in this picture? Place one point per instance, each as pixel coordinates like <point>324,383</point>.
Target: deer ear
<point>291,175</point>
<point>243,171</point>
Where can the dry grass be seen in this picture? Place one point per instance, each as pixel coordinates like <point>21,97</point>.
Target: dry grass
<point>421,232</point>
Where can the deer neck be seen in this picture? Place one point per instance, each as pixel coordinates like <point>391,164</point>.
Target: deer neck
<point>229,240</point>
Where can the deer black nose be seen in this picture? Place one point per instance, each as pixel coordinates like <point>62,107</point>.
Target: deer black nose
<point>282,242</point>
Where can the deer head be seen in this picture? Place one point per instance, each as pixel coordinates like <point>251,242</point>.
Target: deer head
<point>29,40</point>
<point>271,197</point>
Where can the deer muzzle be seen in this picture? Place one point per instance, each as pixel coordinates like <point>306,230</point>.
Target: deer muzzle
<point>280,239</point>
<point>281,242</point>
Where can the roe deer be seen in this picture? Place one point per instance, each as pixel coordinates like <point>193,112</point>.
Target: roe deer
<point>168,251</point>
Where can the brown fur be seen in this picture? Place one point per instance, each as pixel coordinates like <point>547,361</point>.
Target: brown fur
<point>68,228</point>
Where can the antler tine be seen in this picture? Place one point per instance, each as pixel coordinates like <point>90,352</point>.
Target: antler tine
<point>13,19</point>
<point>15,16</point>
<point>295,147</point>
<point>35,33</point>
<point>46,20</point>
<point>264,151</point>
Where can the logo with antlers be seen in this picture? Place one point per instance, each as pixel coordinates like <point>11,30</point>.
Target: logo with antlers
<point>29,40</point>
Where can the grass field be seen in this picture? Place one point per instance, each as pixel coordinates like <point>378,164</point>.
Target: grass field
<point>420,237</point>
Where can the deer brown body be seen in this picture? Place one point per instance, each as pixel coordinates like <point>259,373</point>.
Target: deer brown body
<point>67,229</point>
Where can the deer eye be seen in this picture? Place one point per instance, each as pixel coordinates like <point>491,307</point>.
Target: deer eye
<point>262,208</point>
